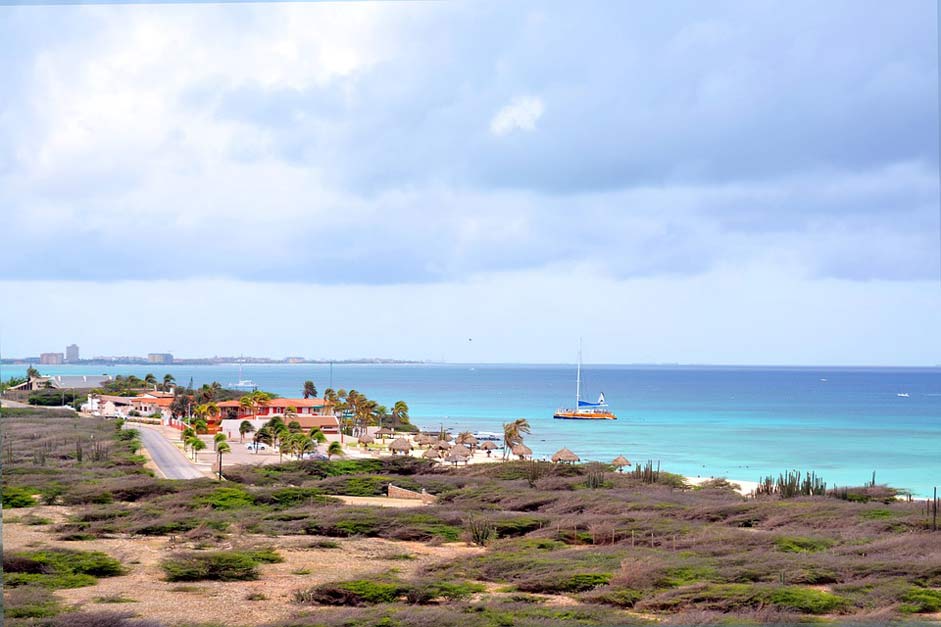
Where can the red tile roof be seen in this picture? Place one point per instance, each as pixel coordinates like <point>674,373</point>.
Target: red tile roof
<point>281,403</point>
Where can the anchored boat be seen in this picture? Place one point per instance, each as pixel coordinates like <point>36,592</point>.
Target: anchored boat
<point>585,410</point>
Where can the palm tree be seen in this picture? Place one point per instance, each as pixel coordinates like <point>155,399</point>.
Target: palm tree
<point>513,434</point>
<point>245,427</point>
<point>197,446</point>
<point>263,436</point>
<point>221,449</point>
<point>335,448</point>
<point>150,379</point>
<point>218,439</point>
<point>400,413</point>
<point>200,425</point>
<point>168,381</point>
<point>317,435</point>
<point>310,390</point>
<point>187,433</point>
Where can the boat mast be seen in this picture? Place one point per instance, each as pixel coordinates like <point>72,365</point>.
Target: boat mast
<point>578,376</point>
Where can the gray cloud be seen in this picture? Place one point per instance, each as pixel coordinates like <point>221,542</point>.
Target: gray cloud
<point>671,142</point>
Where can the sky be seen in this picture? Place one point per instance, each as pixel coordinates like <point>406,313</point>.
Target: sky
<point>724,182</point>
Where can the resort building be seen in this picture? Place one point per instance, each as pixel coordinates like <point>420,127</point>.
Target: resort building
<point>310,413</point>
<point>71,353</point>
<point>159,358</point>
<point>51,359</point>
<point>150,403</point>
<point>107,405</point>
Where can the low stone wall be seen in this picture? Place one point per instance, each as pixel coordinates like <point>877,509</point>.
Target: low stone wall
<point>396,492</point>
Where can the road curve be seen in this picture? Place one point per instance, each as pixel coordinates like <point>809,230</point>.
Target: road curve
<point>168,458</point>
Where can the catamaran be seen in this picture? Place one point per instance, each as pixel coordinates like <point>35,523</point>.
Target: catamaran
<point>242,384</point>
<point>585,410</point>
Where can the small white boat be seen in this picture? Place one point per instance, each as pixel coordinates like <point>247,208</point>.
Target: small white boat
<point>903,395</point>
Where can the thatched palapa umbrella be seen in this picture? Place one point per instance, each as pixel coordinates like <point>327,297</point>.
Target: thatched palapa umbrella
<point>400,445</point>
<point>384,431</point>
<point>565,456</point>
<point>620,462</point>
<point>522,451</point>
<point>431,453</point>
<point>443,445</point>
<point>459,453</point>
<point>425,440</point>
<point>366,439</point>
<point>467,439</point>
<point>489,447</point>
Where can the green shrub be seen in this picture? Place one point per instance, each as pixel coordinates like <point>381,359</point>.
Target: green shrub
<point>795,544</point>
<point>356,592</point>
<point>58,568</point>
<point>622,597</point>
<point>291,497</point>
<point>227,498</point>
<point>806,600</point>
<point>921,601</point>
<point>16,496</point>
<point>30,602</point>
<point>217,565</point>
<point>52,581</point>
<point>580,582</point>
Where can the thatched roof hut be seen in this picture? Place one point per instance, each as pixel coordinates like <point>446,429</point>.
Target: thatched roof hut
<point>443,445</point>
<point>522,451</point>
<point>431,453</point>
<point>488,446</point>
<point>620,462</point>
<point>365,439</point>
<point>384,431</point>
<point>565,456</point>
<point>425,439</point>
<point>400,445</point>
<point>461,451</point>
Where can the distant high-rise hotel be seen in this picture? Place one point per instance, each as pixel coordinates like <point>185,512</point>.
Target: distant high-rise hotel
<point>160,358</point>
<point>71,353</point>
<point>51,359</point>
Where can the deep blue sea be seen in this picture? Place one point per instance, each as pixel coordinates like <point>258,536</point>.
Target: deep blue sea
<point>741,423</point>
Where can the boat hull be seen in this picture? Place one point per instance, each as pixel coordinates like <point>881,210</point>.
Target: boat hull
<point>572,415</point>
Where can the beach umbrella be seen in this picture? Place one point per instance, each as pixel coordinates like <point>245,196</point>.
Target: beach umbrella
<point>366,439</point>
<point>488,446</point>
<point>620,462</point>
<point>461,451</point>
<point>384,431</point>
<point>522,451</point>
<point>423,439</point>
<point>565,456</point>
<point>443,445</point>
<point>467,439</point>
<point>430,453</point>
<point>400,445</point>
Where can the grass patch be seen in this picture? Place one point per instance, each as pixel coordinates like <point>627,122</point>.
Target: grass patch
<point>30,602</point>
<point>17,496</point>
<point>115,598</point>
<point>806,600</point>
<point>797,544</point>
<point>921,601</point>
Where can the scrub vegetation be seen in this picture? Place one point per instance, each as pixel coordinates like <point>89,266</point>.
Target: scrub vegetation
<point>553,544</point>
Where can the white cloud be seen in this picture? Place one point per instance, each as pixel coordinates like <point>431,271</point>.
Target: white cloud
<point>521,114</point>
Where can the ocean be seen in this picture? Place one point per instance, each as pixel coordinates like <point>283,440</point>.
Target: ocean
<point>737,422</point>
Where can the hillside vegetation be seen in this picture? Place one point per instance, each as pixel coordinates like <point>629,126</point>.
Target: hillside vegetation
<point>559,545</point>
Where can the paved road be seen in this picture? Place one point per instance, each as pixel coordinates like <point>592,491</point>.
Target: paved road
<point>169,459</point>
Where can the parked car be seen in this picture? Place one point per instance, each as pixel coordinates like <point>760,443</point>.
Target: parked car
<point>256,446</point>
<point>316,456</point>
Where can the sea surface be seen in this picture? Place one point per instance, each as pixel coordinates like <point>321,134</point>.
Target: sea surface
<point>737,422</point>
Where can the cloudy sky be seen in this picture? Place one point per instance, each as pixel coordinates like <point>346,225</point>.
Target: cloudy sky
<point>747,182</point>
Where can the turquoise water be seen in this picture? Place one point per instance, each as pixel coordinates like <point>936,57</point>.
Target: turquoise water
<point>742,423</point>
